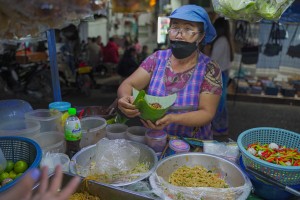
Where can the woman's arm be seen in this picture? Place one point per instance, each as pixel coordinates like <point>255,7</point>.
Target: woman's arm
<point>204,115</point>
<point>139,80</point>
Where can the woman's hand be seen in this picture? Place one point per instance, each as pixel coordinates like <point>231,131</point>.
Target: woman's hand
<point>125,105</point>
<point>159,124</point>
<point>46,190</point>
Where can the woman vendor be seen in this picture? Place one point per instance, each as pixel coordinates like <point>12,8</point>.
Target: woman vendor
<point>183,70</point>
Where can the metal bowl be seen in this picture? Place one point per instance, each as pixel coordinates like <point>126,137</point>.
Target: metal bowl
<point>234,176</point>
<point>86,155</point>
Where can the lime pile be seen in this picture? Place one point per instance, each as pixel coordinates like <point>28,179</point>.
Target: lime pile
<point>12,171</point>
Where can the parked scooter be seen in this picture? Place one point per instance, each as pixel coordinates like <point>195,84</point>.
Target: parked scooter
<point>82,78</point>
<point>33,78</point>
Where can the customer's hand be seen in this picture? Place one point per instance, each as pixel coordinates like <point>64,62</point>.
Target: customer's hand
<point>46,191</point>
<point>125,105</point>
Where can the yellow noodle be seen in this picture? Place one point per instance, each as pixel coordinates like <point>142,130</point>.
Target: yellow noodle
<point>83,196</point>
<point>196,176</point>
<point>125,176</point>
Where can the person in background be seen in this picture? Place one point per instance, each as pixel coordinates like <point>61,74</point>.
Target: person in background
<point>127,42</point>
<point>93,53</point>
<point>46,191</point>
<point>144,54</point>
<point>111,55</point>
<point>128,63</point>
<point>182,70</point>
<point>222,53</point>
<point>100,44</point>
<point>137,45</point>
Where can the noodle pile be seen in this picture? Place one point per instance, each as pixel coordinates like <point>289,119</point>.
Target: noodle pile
<point>196,176</point>
<point>83,196</point>
<point>122,176</point>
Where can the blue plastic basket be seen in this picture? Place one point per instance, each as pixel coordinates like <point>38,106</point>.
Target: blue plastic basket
<point>289,175</point>
<point>265,190</point>
<point>19,148</point>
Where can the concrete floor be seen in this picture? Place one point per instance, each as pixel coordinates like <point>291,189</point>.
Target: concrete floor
<point>242,115</point>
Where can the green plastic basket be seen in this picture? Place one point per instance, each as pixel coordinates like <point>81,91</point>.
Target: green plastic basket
<point>288,175</point>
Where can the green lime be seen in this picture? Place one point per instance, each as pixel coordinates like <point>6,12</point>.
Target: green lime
<point>9,165</point>
<point>3,176</point>
<point>6,181</point>
<point>18,175</point>
<point>12,174</point>
<point>20,166</point>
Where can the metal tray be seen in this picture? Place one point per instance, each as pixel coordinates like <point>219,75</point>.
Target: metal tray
<point>104,191</point>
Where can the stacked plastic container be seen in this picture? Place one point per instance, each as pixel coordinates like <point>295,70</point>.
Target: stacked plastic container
<point>50,120</point>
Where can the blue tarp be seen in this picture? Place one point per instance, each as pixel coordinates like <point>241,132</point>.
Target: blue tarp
<point>292,13</point>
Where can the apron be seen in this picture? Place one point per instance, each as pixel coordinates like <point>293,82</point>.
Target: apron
<point>187,98</point>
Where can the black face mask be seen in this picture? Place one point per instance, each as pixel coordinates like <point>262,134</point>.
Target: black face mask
<point>182,49</point>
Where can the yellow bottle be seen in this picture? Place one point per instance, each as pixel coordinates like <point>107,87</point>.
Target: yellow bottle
<point>63,107</point>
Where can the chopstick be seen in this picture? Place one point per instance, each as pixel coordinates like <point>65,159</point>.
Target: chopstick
<point>164,151</point>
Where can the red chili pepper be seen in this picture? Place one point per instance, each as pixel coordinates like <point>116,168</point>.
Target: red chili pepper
<point>270,159</point>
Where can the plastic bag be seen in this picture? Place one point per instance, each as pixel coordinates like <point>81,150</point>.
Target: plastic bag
<point>251,10</point>
<point>167,191</point>
<point>142,187</point>
<point>32,17</point>
<point>114,156</point>
<point>229,150</point>
<point>51,160</point>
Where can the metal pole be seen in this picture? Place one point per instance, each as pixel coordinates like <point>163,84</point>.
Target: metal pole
<point>53,65</point>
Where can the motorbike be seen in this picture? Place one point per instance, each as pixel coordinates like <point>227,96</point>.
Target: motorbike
<point>33,79</point>
<point>81,77</point>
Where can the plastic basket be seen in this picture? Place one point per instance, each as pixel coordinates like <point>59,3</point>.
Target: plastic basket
<point>20,148</point>
<point>265,190</point>
<point>289,175</point>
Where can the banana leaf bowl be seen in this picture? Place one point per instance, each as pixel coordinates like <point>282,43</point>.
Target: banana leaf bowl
<point>152,107</point>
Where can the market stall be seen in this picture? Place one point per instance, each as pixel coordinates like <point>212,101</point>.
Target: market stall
<point>119,161</point>
<point>264,61</point>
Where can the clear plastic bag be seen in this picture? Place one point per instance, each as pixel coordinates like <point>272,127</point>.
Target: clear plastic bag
<point>229,150</point>
<point>51,160</point>
<point>142,187</point>
<point>115,156</point>
<point>167,191</point>
<point>251,10</point>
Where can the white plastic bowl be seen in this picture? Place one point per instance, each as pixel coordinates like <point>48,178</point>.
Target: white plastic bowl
<point>92,130</point>
<point>136,133</point>
<point>52,142</point>
<point>116,131</point>
<point>22,128</point>
<point>49,119</point>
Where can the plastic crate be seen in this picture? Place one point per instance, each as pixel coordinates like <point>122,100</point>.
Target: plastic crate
<point>20,148</point>
<point>289,175</point>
